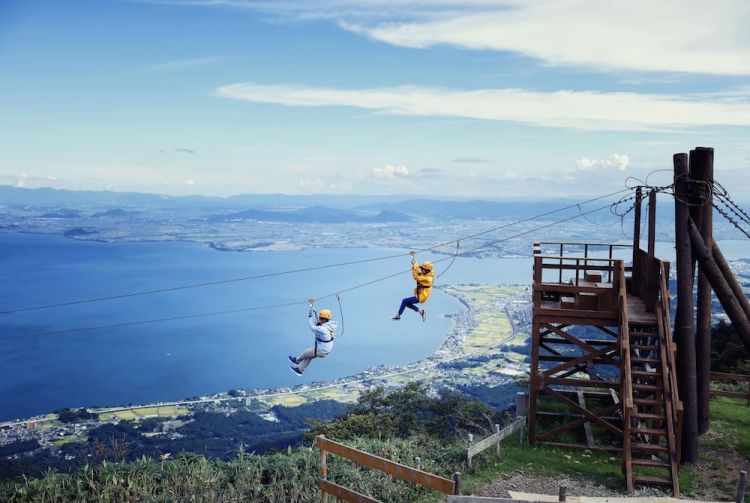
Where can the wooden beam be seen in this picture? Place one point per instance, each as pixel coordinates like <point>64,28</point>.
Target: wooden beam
<point>580,419</point>
<point>649,296</point>
<point>398,470</point>
<point>590,415</point>
<point>587,424</point>
<point>327,487</point>
<point>684,333</point>
<point>584,383</point>
<point>637,235</point>
<point>726,271</point>
<point>601,353</point>
<point>720,285</point>
<point>702,172</point>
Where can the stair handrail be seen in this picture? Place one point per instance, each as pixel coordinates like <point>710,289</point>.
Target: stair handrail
<point>671,358</point>
<point>626,378</point>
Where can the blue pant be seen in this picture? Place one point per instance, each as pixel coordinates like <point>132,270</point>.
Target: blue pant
<point>410,303</point>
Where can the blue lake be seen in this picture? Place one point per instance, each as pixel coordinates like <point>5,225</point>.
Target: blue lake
<point>179,359</point>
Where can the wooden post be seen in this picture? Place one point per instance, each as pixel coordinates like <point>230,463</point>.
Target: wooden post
<point>534,378</point>
<point>650,295</point>
<point>726,271</point>
<point>497,445</point>
<point>684,334</point>
<point>522,408</point>
<point>729,302</point>
<point>741,487</point>
<point>418,463</point>
<point>522,404</point>
<point>457,483</point>
<point>562,494</point>
<point>323,472</point>
<point>702,171</point>
<point>636,238</point>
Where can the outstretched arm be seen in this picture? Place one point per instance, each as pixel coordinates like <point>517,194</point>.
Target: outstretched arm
<point>312,316</point>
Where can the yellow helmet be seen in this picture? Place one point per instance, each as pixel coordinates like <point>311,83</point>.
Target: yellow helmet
<point>325,314</point>
<point>427,266</point>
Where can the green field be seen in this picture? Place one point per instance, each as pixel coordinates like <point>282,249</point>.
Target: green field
<point>140,412</point>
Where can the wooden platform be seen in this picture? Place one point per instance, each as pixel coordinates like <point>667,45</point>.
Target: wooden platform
<point>637,314</point>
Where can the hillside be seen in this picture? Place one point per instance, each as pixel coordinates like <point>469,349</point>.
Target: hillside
<point>400,426</point>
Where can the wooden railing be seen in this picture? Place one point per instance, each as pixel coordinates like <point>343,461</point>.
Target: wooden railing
<point>626,378</point>
<point>671,355</point>
<point>494,439</point>
<point>403,472</point>
<point>721,376</point>
<point>585,259</point>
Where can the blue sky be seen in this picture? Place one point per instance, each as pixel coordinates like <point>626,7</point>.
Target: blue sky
<point>476,98</point>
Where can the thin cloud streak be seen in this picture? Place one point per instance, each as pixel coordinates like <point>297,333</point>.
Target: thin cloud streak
<point>179,64</point>
<point>637,35</point>
<point>614,111</point>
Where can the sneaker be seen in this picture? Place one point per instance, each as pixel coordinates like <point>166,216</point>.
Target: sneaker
<point>396,318</point>
<point>296,370</point>
<point>423,314</point>
<point>293,360</point>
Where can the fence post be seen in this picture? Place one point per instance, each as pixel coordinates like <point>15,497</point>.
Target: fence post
<point>418,462</point>
<point>562,496</point>
<point>457,483</point>
<point>521,404</point>
<point>741,486</point>
<point>497,445</point>
<point>468,452</point>
<point>323,472</point>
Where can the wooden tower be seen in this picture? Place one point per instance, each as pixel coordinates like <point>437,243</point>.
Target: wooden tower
<point>602,359</point>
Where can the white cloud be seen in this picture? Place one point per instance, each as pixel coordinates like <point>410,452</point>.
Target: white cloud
<point>311,182</point>
<point>22,179</point>
<point>179,64</point>
<point>617,161</point>
<point>643,35</point>
<point>188,183</point>
<point>569,109</point>
<point>390,171</point>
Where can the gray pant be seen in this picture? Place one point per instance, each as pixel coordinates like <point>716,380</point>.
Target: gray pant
<point>304,359</point>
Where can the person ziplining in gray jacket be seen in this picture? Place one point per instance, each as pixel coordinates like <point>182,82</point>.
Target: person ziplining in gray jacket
<point>324,330</point>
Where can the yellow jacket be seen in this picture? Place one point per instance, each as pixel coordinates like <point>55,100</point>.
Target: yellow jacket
<point>424,283</point>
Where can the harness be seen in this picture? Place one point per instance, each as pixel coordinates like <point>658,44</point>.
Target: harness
<point>331,332</point>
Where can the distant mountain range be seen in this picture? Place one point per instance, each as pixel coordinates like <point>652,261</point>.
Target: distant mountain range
<point>54,203</point>
<point>313,214</point>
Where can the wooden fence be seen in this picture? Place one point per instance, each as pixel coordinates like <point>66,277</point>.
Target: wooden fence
<point>720,376</point>
<point>494,439</point>
<point>403,472</point>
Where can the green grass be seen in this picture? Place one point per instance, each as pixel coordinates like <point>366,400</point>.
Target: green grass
<point>730,420</point>
<point>68,440</point>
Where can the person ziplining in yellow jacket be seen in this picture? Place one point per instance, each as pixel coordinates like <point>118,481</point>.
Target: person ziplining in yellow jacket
<point>424,276</point>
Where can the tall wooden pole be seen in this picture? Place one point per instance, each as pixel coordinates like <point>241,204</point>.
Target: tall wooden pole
<point>651,272</point>
<point>702,171</point>
<point>684,320</point>
<point>637,240</point>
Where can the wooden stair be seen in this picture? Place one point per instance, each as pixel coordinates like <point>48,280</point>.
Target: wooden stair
<point>650,450</point>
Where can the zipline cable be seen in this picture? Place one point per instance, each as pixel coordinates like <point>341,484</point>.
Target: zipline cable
<point>301,270</point>
<point>288,304</point>
<point>458,244</point>
<point>341,311</point>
